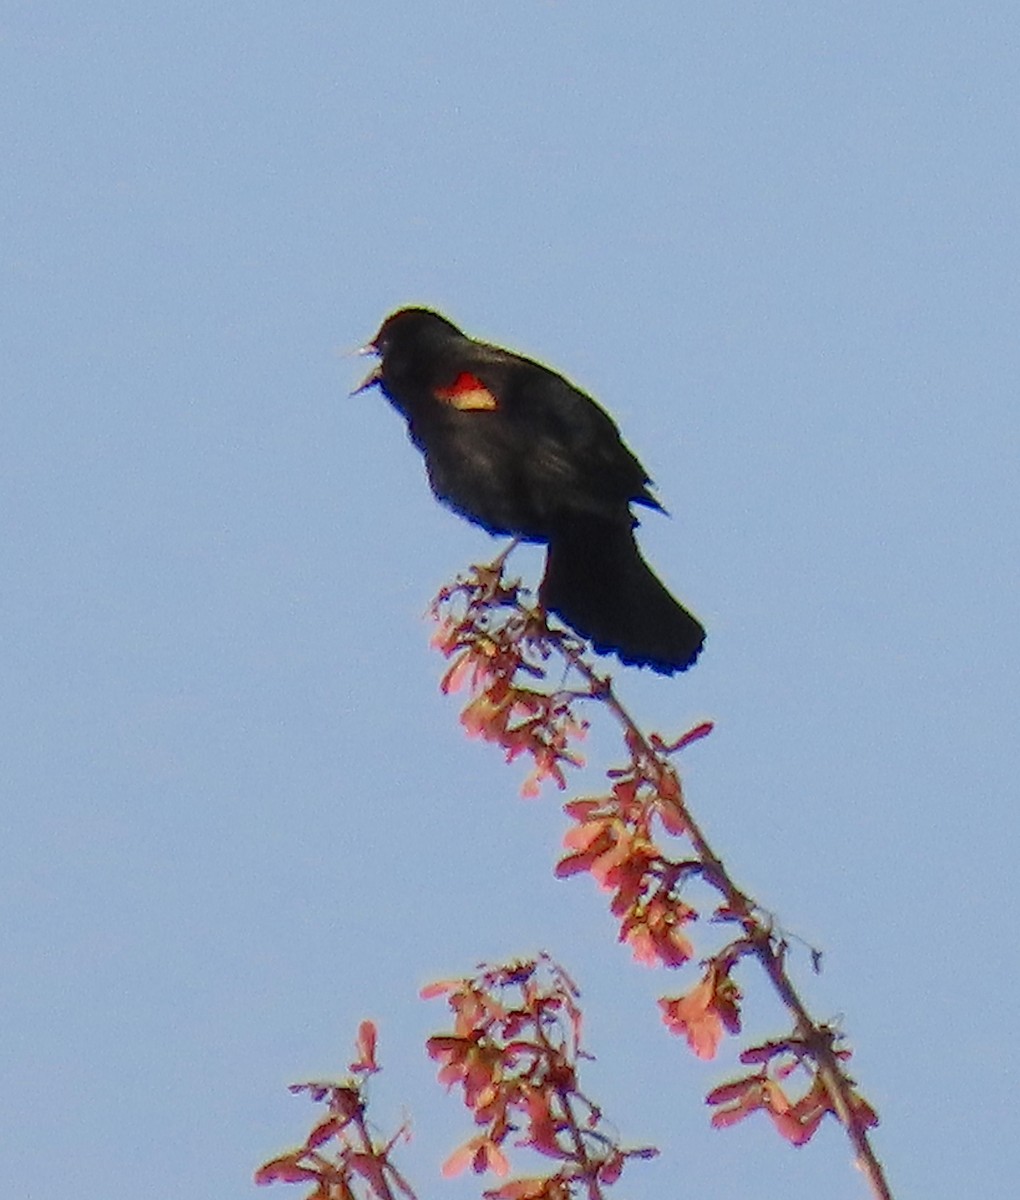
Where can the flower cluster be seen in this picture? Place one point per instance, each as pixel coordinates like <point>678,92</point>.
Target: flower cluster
<point>340,1157</point>
<point>494,659</point>
<point>763,1090</point>
<point>514,1051</point>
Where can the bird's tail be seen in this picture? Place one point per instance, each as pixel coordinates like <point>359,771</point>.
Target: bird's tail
<point>597,581</point>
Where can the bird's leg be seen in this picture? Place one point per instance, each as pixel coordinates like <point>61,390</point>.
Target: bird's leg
<point>497,564</point>
<point>490,575</point>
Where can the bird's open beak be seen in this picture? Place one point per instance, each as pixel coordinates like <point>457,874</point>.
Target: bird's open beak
<point>374,376</point>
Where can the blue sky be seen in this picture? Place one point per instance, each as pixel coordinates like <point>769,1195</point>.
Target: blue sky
<point>779,242</point>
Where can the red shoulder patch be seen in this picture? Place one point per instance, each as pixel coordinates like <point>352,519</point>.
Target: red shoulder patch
<point>467,393</point>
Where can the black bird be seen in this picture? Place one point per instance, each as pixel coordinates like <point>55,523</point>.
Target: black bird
<point>516,448</point>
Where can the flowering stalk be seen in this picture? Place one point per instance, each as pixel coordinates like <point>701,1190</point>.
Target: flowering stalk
<point>502,648</point>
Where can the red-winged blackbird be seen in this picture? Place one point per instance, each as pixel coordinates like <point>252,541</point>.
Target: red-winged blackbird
<point>519,450</point>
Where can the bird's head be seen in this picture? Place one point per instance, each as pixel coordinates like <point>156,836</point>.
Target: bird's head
<point>408,333</point>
